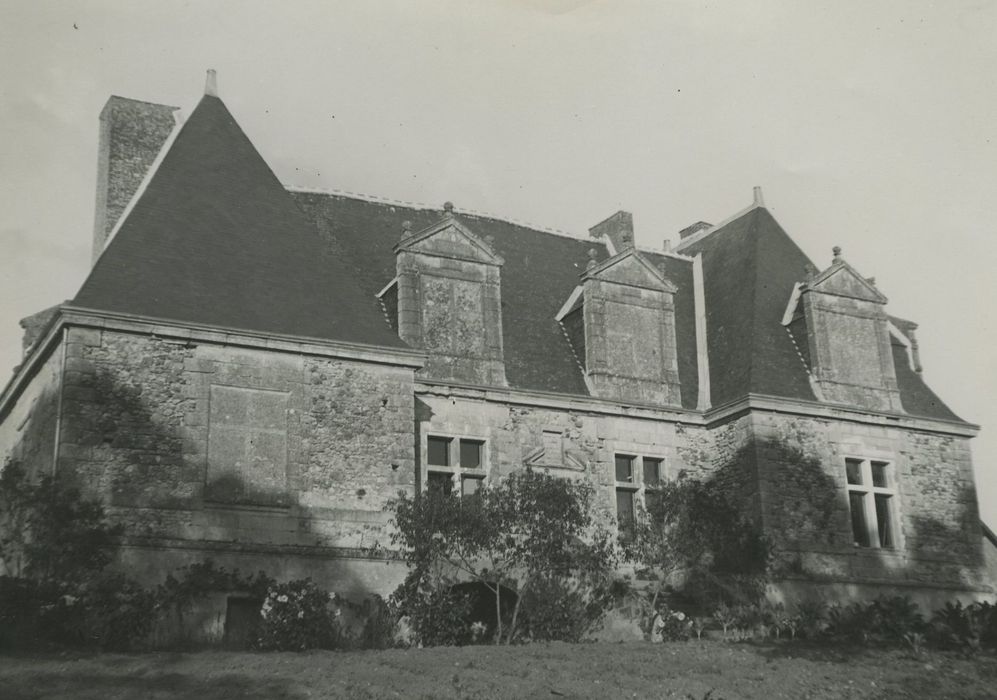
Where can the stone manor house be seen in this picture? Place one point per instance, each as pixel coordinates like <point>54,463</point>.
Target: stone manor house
<point>250,371</point>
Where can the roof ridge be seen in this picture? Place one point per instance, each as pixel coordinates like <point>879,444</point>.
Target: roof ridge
<point>376,199</point>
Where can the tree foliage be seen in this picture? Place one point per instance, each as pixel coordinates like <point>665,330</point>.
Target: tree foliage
<point>521,533</point>
<point>48,531</point>
<point>695,531</point>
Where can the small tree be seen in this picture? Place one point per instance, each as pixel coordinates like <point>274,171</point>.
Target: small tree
<point>694,530</point>
<point>48,531</point>
<point>521,532</point>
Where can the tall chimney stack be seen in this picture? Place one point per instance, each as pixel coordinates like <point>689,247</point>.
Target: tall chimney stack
<point>131,135</point>
<point>619,228</point>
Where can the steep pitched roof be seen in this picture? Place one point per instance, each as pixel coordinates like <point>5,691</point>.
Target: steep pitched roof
<point>216,239</point>
<point>750,267</point>
<point>541,271</point>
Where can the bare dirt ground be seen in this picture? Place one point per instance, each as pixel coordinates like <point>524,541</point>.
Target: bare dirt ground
<point>602,670</point>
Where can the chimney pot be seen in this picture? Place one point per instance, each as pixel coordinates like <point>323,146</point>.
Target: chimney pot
<point>667,245</point>
<point>211,83</point>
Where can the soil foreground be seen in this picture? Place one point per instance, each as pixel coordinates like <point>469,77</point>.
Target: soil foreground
<point>696,670</point>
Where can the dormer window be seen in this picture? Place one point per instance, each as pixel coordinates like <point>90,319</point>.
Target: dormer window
<point>449,301</point>
<point>621,325</point>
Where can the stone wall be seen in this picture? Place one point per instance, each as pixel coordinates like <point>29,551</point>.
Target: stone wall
<point>805,507</point>
<point>28,430</point>
<point>177,438</point>
<point>573,443</point>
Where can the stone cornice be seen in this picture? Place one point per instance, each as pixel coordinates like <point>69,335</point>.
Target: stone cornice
<point>71,316</point>
<point>752,402</point>
<point>814,409</point>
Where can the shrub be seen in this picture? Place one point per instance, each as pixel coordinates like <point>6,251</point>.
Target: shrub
<point>559,609</point>
<point>965,628</point>
<point>671,626</point>
<point>111,612</point>
<point>298,615</point>
<point>518,533</point>
<point>379,623</point>
<point>437,614</point>
<point>811,617</point>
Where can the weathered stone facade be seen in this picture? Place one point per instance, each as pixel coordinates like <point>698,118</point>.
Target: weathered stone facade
<point>280,450</point>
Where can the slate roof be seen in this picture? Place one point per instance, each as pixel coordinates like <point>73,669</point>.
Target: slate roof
<point>540,272</point>
<point>216,239</point>
<point>750,266</point>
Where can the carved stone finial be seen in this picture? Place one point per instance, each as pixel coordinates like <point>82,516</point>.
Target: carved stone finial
<point>627,239</point>
<point>448,208</point>
<point>837,253</point>
<point>406,228</point>
<point>490,241</point>
<point>593,253</point>
<point>871,280</point>
<point>811,271</point>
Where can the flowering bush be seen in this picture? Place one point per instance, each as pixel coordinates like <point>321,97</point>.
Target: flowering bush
<point>671,626</point>
<point>298,615</point>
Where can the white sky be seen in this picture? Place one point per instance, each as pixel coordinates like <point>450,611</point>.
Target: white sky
<point>870,125</point>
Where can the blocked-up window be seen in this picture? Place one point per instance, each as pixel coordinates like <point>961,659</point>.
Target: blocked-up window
<point>455,464</point>
<point>872,502</point>
<point>247,446</point>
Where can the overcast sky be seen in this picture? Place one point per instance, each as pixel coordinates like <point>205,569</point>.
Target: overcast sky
<point>870,125</point>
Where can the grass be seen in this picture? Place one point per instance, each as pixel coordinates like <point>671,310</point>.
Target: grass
<point>600,670</point>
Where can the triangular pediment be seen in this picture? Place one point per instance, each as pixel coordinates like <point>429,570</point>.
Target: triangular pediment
<point>841,279</point>
<point>450,238</point>
<point>630,268</point>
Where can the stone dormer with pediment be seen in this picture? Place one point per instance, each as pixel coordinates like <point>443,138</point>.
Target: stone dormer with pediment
<point>848,338</point>
<point>448,300</point>
<point>621,324</point>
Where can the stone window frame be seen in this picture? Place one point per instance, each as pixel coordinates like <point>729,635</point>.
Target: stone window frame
<point>867,534</point>
<point>636,486</point>
<point>458,475</point>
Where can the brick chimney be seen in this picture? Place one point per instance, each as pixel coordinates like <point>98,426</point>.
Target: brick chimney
<point>619,228</point>
<point>131,136</point>
<point>694,229</point>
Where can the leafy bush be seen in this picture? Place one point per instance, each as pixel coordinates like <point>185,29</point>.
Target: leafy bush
<point>967,628</point>
<point>111,612</point>
<point>696,534</point>
<point>379,623</point>
<point>671,626</point>
<point>562,609</point>
<point>886,620</point>
<point>48,531</point>
<point>519,533</point>
<point>298,615</point>
<point>437,614</point>
<point>811,618</point>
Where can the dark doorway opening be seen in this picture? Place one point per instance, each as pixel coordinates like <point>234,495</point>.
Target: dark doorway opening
<point>242,618</point>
